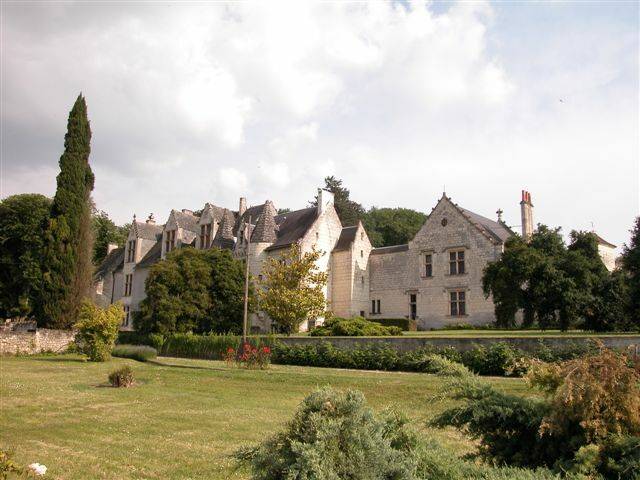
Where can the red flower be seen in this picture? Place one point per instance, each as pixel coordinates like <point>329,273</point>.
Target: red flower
<point>266,350</point>
<point>230,350</point>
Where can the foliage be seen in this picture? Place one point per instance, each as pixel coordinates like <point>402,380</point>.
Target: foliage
<point>68,236</point>
<point>210,347</point>
<point>620,457</point>
<point>348,211</point>
<point>588,423</point>
<point>291,289</point>
<point>335,435</point>
<point>98,329</point>
<point>631,269</point>
<point>194,291</point>
<point>590,397</point>
<point>122,377</point>
<point>22,218</point>
<point>554,285</point>
<point>141,353</point>
<point>499,359</point>
<point>106,232</point>
<point>392,226</point>
<point>353,327</point>
<point>254,357</point>
<point>405,324</point>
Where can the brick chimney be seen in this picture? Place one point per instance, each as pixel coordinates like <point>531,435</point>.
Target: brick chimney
<point>242,207</point>
<point>526,215</point>
<point>324,200</point>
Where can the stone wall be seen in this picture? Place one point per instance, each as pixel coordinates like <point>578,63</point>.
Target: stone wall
<point>407,344</point>
<point>42,340</point>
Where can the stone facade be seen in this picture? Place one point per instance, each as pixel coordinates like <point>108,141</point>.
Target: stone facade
<point>435,278</point>
<point>41,340</point>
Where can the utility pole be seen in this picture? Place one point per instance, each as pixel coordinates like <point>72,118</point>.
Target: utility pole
<point>245,322</point>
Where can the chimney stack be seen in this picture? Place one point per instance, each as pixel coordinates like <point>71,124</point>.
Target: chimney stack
<point>526,215</point>
<point>325,199</point>
<point>242,207</point>
<point>151,220</point>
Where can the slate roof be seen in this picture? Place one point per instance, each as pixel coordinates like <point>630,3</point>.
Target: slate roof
<point>292,226</point>
<point>391,249</point>
<point>110,263</point>
<point>224,235</point>
<point>265,230</point>
<point>497,230</point>
<point>602,241</point>
<point>253,212</point>
<point>347,236</point>
<point>216,212</point>
<point>152,256</point>
<point>186,221</point>
<point>148,231</point>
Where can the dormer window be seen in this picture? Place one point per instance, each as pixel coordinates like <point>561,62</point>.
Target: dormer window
<point>131,251</point>
<point>205,235</point>
<point>170,241</point>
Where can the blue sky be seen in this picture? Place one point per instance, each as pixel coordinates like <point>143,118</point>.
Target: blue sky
<point>196,103</point>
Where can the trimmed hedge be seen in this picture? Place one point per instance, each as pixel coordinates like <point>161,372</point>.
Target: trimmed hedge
<point>406,324</point>
<point>208,347</point>
<point>498,359</point>
<point>142,353</point>
<point>353,327</point>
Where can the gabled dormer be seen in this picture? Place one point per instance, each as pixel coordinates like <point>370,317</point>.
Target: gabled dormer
<point>181,229</point>
<point>142,236</point>
<point>208,225</point>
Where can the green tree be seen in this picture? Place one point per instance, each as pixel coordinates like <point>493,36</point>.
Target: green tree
<point>106,232</point>
<point>98,329</point>
<point>22,218</point>
<point>193,291</point>
<point>292,288</point>
<point>631,269</point>
<point>69,240</point>
<point>348,211</point>
<point>392,226</point>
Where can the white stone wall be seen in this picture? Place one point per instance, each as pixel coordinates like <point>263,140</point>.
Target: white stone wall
<point>42,340</point>
<point>394,276</point>
<point>608,256</point>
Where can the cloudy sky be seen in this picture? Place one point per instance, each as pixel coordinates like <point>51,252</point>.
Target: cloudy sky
<point>208,102</point>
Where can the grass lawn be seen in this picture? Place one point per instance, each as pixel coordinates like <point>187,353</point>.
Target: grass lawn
<point>183,419</point>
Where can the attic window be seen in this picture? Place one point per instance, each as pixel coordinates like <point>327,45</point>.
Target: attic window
<point>444,222</point>
<point>317,236</point>
<point>361,235</point>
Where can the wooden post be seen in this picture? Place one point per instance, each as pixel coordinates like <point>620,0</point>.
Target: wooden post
<point>245,322</point>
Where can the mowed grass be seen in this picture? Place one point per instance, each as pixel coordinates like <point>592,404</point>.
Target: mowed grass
<point>184,419</point>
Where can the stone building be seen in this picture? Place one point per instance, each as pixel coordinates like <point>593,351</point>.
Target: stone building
<point>436,278</point>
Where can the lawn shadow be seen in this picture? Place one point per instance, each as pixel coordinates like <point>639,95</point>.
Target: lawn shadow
<point>187,367</point>
<point>61,359</point>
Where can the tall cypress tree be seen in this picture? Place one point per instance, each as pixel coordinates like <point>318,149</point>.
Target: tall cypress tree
<point>68,235</point>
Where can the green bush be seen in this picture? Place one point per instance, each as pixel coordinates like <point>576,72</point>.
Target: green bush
<point>209,347</point>
<point>122,377</point>
<point>133,338</point>
<point>98,330</point>
<point>353,327</point>
<point>405,324</point>
<point>620,457</point>
<point>336,435</point>
<point>436,364</point>
<point>142,353</point>
<point>497,359</point>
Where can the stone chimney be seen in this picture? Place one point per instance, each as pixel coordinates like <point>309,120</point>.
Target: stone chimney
<point>242,207</point>
<point>111,247</point>
<point>150,220</point>
<point>526,215</point>
<point>187,211</point>
<point>324,200</point>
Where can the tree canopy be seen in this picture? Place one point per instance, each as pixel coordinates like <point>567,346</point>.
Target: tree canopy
<point>69,240</point>
<point>22,218</point>
<point>106,232</point>
<point>392,226</point>
<point>193,290</point>
<point>348,211</point>
<point>631,269</point>
<point>291,289</point>
<point>555,285</point>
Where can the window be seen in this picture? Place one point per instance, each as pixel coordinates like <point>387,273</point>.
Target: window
<point>205,235</point>
<point>361,253</point>
<point>170,241</point>
<point>362,313</point>
<point>128,283</point>
<point>413,306</point>
<point>456,262</point>
<point>127,316</point>
<point>428,265</point>
<point>458,304</point>
<point>99,287</point>
<point>361,235</point>
<point>375,306</point>
<point>362,280</point>
<point>131,251</point>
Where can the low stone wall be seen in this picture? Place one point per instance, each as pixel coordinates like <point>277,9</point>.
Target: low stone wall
<point>407,344</point>
<point>42,340</point>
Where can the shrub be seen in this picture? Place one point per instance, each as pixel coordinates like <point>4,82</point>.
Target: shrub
<point>620,457</point>
<point>437,364</point>
<point>254,357</point>
<point>133,338</point>
<point>142,353</point>
<point>98,329</point>
<point>497,359</point>
<point>122,377</point>
<point>334,435</point>
<point>209,347</point>
<point>354,327</point>
<point>405,324</point>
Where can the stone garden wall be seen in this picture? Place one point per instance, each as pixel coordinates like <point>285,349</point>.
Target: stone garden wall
<point>41,340</point>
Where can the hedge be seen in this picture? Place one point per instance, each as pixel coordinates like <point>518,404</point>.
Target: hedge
<point>209,347</point>
<point>406,324</point>
<point>142,353</point>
